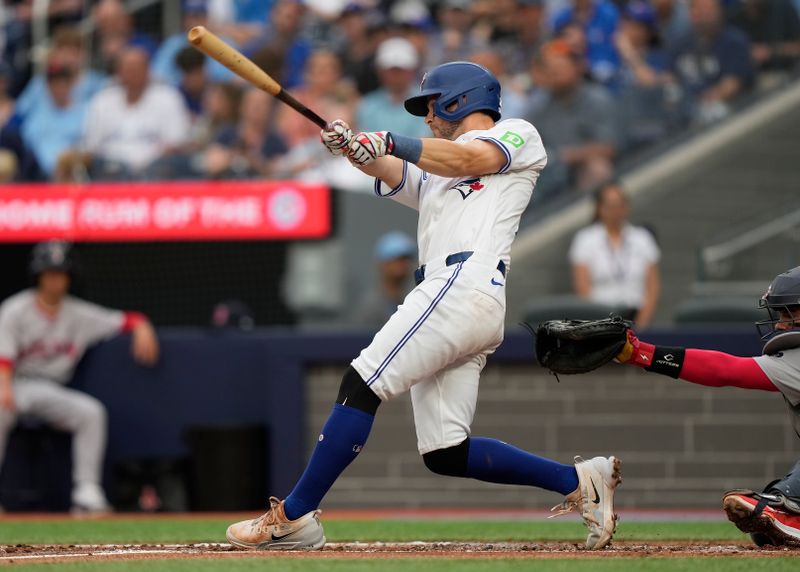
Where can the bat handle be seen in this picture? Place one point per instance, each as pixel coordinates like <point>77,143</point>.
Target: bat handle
<point>289,100</point>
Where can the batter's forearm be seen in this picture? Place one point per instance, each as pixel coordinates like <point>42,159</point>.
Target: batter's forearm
<point>387,169</point>
<point>448,159</point>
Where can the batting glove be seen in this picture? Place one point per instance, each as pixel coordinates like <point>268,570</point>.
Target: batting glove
<point>368,146</point>
<point>336,137</point>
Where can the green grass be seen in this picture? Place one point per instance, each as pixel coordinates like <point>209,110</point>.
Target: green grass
<point>432,565</point>
<point>213,530</point>
<point>139,530</point>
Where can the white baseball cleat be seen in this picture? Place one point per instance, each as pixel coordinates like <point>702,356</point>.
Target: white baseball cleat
<point>598,478</point>
<point>273,531</point>
<point>89,499</point>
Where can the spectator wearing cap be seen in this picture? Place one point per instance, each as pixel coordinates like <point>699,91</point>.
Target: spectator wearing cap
<point>397,63</point>
<point>773,27</point>
<point>577,121</point>
<point>412,20</point>
<point>55,124</point>
<point>193,82</point>
<point>712,64</point>
<point>644,108</point>
<point>394,253</point>
<point>165,66</point>
<point>134,121</point>
<point>67,46</point>
<point>599,20</point>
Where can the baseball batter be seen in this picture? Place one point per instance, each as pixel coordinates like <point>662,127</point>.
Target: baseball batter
<point>470,184</point>
<point>43,334</point>
<point>773,516</point>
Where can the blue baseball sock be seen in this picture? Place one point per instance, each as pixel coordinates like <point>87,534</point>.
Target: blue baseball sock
<point>340,442</point>
<point>498,462</point>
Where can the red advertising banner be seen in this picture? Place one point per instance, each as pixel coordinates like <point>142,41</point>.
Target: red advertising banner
<point>229,210</point>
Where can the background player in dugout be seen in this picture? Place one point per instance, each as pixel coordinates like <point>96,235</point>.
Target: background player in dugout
<point>772,516</point>
<point>44,332</point>
<point>470,184</point>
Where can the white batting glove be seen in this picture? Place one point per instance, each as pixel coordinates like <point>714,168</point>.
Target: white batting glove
<point>336,137</point>
<point>368,146</point>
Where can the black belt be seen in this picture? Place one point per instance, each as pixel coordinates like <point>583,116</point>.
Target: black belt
<point>419,273</point>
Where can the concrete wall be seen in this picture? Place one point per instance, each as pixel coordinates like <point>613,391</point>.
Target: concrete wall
<point>681,445</point>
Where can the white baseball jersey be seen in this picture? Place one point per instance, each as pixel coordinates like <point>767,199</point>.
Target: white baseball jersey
<point>48,348</point>
<point>436,343</point>
<point>783,370</point>
<point>479,213</point>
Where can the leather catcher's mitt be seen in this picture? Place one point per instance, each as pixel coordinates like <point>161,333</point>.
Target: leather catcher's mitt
<point>578,346</point>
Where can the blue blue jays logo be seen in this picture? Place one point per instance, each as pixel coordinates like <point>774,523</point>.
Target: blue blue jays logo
<point>466,188</point>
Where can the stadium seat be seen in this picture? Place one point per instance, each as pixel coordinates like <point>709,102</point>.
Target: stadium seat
<point>564,308</point>
<point>718,310</point>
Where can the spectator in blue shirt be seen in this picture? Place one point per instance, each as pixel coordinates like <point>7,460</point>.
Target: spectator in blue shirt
<point>283,38</point>
<point>712,65</point>
<point>644,106</point>
<point>599,20</point>
<point>68,48</point>
<point>397,63</point>
<point>239,20</point>
<point>56,123</point>
<point>164,66</point>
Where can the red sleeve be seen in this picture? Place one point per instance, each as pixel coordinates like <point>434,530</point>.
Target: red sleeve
<point>6,362</point>
<point>132,319</point>
<point>717,369</point>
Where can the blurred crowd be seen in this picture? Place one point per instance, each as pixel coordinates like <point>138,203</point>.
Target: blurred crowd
<point>108,99</point>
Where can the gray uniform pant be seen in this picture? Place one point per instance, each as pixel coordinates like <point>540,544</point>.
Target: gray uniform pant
<point>66,409</point>
<point>788,486</point>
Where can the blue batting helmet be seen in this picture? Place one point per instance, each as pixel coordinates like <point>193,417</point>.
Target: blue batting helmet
<point>471,85</point>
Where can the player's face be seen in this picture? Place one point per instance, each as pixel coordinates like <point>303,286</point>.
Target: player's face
<point>53,284</point>
<point>440,128</point>
<point>789,319</point>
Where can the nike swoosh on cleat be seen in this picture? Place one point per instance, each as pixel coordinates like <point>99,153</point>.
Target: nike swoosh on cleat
<point>274,537</point>
<point>496,283</point>
<point>596,495</point>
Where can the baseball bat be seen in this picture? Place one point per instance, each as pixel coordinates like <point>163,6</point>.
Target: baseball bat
<point>214,47</point>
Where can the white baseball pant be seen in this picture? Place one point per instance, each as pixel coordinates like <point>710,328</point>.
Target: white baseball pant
<point>436,346</point>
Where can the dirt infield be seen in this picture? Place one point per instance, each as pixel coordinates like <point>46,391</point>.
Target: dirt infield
<point>10,554</point>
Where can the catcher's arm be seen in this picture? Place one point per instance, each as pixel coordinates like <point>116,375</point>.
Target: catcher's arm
<point>703,367</point>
